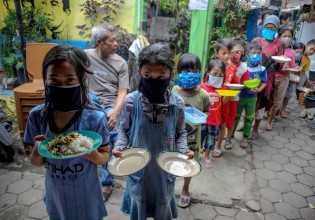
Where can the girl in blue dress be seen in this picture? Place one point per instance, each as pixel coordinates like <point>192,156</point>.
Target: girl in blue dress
<point>73,189</point>
<point>153,118</point>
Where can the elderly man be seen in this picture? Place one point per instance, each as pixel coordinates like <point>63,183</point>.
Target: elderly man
<point>109,83</point>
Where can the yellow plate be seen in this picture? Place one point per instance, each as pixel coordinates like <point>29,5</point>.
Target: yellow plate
<point>222,92</point>
<point>253,83</point>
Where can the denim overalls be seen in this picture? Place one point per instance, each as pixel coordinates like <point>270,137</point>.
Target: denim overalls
<point>150,191</point>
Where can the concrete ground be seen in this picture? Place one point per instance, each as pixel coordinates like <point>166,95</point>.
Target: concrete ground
<point>273,179</point>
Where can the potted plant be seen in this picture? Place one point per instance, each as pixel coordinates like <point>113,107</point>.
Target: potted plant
<point>36,26</point>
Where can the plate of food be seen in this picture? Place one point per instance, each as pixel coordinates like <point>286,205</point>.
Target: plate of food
<point>178,164</point>
<point>252,83</point>
<point>70,144</point>
<point>132,160</point>
<point>293,70</point>
<point>281,59</point>
<point>234,86</point>
<point>227,92</point>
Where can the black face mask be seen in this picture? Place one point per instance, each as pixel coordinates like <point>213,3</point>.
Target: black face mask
<point>154,89</point>
<point>64,98</point>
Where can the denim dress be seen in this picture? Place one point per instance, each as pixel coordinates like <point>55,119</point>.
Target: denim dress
<point>150,191</point>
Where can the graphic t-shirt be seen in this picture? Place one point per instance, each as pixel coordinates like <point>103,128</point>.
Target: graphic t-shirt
<point>199,100</point>
<point>236,74</point>
<point>109,75</point>
<point>71,183</point>
<point>255,72</point>
<point>215,110</point>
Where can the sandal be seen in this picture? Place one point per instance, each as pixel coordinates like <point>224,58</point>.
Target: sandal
<point>244,143</point>
<point>228,145</point>
<point>208,164</point>
<point>284,114</point>
<point>216,152</point>
<point>254,135</point>
<point>107,193</point>
<point>268,128</point>
<point>183,201</point>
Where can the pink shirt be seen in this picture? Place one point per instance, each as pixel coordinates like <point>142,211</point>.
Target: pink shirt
<point>291,54</point>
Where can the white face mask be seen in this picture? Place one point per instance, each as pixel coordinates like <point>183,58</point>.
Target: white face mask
<point>286,41</point>
<point>215,81</point>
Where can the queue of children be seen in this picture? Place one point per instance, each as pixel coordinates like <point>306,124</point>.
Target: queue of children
<point>157,109</point>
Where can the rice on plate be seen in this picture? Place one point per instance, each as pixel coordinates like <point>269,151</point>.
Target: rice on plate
<point>70,144</point>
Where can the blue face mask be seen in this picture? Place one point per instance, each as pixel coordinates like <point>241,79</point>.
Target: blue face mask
<point>254,60</point>
<point>188,80</point>
<point>269,34</point>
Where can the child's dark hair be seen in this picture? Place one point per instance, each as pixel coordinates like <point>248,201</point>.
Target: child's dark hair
<point>299,45</point>
<point>157,54</point>
<point>76,57</point>
<point>223,42</point>
<point>254,46</point>
<point>189,61</point>
<point>311,42</point>
<point>214,64</point>
<point>284,29</point>
<point>235,42</point>
<point>283,16</point>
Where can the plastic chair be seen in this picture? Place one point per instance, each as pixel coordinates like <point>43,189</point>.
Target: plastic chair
<point>35,53</point>
<point>31,94</point>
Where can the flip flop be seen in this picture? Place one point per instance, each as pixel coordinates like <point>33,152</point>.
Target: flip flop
<point>106,194</point>
<point>228,145</point>
<point>284,114</point>
<point>254,136</point>
<point>183,201</point>
<point>268,128</point>
<point>216,152</point>
<point>208,164</point>
<point>244,144</point>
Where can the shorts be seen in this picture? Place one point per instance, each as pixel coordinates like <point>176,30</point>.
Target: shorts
<point>281,85</point>
<point>210,134</point>
<point>290,90</point>
<point>231,114</point>
<point>259,115</point>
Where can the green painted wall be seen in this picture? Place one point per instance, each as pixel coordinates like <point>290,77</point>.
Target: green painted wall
<point>201,25</point>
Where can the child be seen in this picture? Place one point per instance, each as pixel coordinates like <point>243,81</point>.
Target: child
<point>73,189</point>
<point>281,80</point>
<point>188,89</point>
<point>236,72</point>
<point>299,50</point>
<point>153,118</point>
<point>213,79</point>
<point>248,97</point>
<point>305,85</point>
<point>223,54</point>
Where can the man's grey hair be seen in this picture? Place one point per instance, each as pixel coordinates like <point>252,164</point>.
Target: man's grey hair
<point>101,32</point>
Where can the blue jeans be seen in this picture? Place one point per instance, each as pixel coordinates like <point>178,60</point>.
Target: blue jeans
<point>107,180</point>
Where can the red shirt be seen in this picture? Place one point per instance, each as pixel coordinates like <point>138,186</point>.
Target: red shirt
<point>215,114</point>
<point>230,74</point>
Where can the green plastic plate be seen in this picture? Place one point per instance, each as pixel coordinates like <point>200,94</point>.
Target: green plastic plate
<point>253,83</point>
<point>42,148</point>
